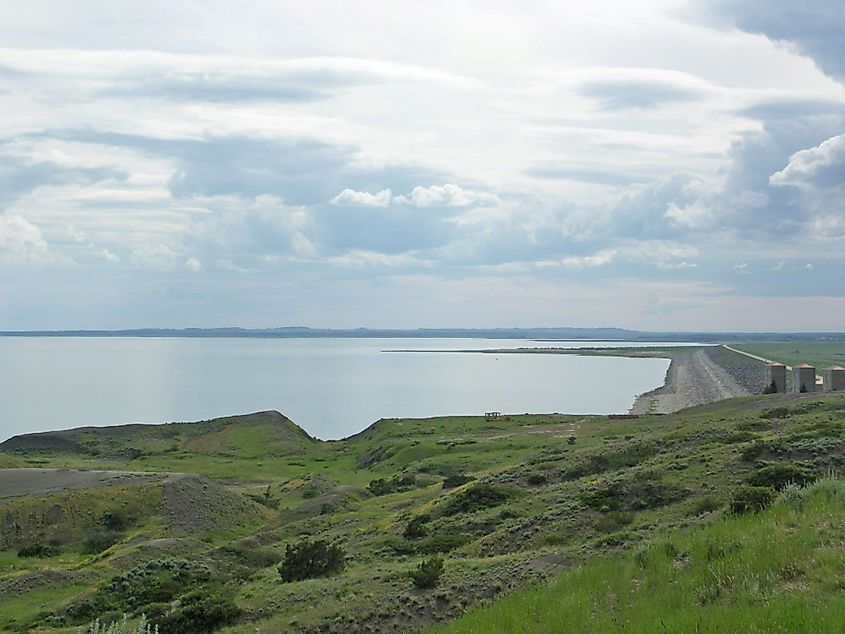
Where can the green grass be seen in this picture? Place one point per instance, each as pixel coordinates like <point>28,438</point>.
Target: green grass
<point>777,571</point>
<point>623,484</point>
<point>819,355</point>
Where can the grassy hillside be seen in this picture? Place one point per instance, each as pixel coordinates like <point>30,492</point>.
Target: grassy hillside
<point>776,571</point>
<point>505,504</point>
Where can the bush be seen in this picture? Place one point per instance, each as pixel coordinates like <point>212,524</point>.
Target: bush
<point>706,504</point>
<point>536,478</point>
<point>427,573</point>
<point>100,541</point>
<point>751,499</point>
<point>116,520</point>
<point>632,496</point>
<point>122,627</point>
<point>38,550</point>
<point>416,527</point>
<point>778,476</point>
<point>394,485</point>
<point>200,612</point>
<point>613,521</point>
<point>307,560</point>
<point>443,543</point>
<point>456,480</point>
<point>476,498</point>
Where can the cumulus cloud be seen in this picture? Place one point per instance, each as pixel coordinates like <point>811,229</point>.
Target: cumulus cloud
<point>822,166</point>
<point>20,239</point>
<point>448,195</point>
<point>351,198</point>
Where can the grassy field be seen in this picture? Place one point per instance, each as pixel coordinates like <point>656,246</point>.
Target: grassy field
<point>776,571</point>
<point>820,355</point>
<point>506,503</point>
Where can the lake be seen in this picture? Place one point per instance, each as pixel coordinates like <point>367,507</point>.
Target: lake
<point>331,387</point>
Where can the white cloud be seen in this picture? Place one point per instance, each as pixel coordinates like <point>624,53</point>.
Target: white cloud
<point>676,266</point>
<point>449,195</point>
<point>352,198</point>
<point>823,165</point>
<point>21,240</point>
<point>108,256</point>
<point>589,261</point>
<point>193,264</point>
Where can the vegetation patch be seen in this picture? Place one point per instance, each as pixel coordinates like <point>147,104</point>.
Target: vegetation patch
<point>477,497</point>
<point>308,560</point>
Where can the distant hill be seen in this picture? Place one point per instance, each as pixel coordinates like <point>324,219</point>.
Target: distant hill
<point>545,333</point>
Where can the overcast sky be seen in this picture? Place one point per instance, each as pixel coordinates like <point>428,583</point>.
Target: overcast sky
<point>658,164</point>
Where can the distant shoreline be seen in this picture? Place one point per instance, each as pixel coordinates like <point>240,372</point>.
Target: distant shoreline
<point>540,334</point>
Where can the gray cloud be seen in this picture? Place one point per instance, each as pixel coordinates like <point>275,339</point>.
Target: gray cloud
<point>815,27</point>
<point>642,93</point>
<point>19,175</point>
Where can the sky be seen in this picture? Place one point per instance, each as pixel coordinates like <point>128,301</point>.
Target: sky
<point>657,165</point>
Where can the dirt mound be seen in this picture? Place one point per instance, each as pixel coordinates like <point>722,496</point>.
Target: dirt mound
<point>28,582</point>
<point>20,482</point>
<point>191,504</point>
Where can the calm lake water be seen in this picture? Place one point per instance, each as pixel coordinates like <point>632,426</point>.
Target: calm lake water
<point>331,387</point>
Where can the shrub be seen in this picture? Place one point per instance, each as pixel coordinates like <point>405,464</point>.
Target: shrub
<point>416,527</point>
<point>427,573</point>
<point>100,541</point>
<point>751,499</point>
<point>536,478</point>
<point>778,476</point>
<point>456,480</point>
<point>116,520</point>
<point>394,485</point>
<point>775,412</point>
<point>307,560</point>
<point>443,543</point>
<point>636,495</point>
<point>476,498</point>
<point>38,550</point>
<point>706,504</point>
<point>200,612</point>
<point>122,627</point>
<point>613,521</point>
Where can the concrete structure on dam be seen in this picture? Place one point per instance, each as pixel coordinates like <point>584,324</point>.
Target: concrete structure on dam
<point>803,378</point>
<point>776,375</point>
<point>833,378</point>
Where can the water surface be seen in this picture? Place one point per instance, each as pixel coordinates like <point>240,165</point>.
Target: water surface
<point>330,387</point>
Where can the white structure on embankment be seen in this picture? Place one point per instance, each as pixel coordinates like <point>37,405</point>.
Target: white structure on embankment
<point>833,378</point>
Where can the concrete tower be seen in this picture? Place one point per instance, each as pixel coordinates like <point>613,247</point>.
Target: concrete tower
<point>803,376</point>
<point>834,378</point>
<point>776,373</point>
